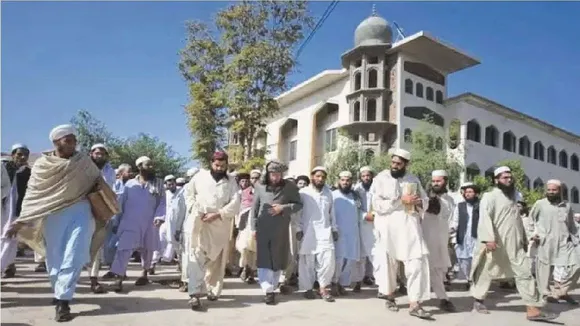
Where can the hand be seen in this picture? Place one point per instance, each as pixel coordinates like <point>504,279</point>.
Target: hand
<point>535,238</point>
<point>13,229</point>
<point>299,235</point>
<point>490,246</point>
<point>418,201</point>
<point>409,199</point>
<point>335,235</point>
<point>158,223</point>
<point>369,217</point>
<point>210,217</point>
<point>275,210</point>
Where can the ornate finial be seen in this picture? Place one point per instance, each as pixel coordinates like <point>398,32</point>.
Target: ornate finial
<point>374,13</point>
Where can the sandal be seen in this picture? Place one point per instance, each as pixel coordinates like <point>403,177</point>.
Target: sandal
<point>419,312</point>
<point>327,297</point>
<point>543,317</point>
<point>480,307</point>
<point>391,304</point>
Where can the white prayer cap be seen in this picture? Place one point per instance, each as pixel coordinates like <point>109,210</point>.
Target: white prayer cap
<point>258,172</point>
<point>501,170</point>
<point>345,174</point>
<point>18,146</point>
<point>61,131</point>
<point>123,167</point>
<point>191,172</point>
<point>289,177</point>
<point>319,168</point>
<point>180,180</point>
<point>439,173</point>
<point>95,146</point>
<point>365,169</point>
<point>401,153</point>
<point>169,177</point>
<point>234,173</point>
<point>468,185</point>
<point>142,160</point>
<point>554,182</point>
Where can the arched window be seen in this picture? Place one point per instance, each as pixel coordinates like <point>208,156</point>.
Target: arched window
<point>371,109</point>
<point>491,136</point>
<point>574,164</point>
<point>357,81</point>
<point>564,189</point>
<point>409,86</point>
<point>473,131</point>
<point>373,78</point>
<point>439,97</point>
<point>525,146</point>
<point>526,182</point>
<point>356,111</point>
<point>419,90</point>
<point>509,142</point>
<point>538,184</point>
<point>429,93</point>
<point>439,143</point>
<point>552,155</point>
<point>454,133</point>
<point>563,159</point>
<point>408,136</point>
<point>539,151</point>
<point>369,154</point>
<point>575,196</point>
<point>472,171</point>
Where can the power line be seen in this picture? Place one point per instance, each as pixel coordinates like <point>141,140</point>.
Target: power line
<point>323,18</point>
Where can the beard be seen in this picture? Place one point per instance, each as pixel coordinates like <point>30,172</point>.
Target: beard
<point>439,189</point>
<point>508,190</point>
<point>318,186</point>
<point>100,163</point>
<point>470,200</point>
<point>367,185</point>
<point>345,190</point>
<point>147,174</point>
<point>398,173</point>
<point>554,198</point>
<point>218,175</point>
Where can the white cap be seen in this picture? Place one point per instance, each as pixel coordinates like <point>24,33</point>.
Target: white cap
<point>95,146</point>
<point>61,131</point>
<point>467,185</point>
<point>169,177</point>
<point>439,173</point>
<point>142,160</point>
<point>180,180</point>
<point>191,172</point>
<point>234,173</point>
<point>123,166</point>
<point>256,172</point>
<point>365,169</point>
<point>345,174</point>
<point>289,177</point>
<point>319,168</point>
<point>401,153</point>
<point>18,146</point>
<point>501,170</point>
<point>554,182</point>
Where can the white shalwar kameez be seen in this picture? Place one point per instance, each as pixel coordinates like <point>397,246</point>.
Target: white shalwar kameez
<point>347,247</point>
<point>364,267</point>
<point>166,250</point>
<point>317,222</point>
<point>210,240</point>
<point>399,237</point>
<point>436,235</point>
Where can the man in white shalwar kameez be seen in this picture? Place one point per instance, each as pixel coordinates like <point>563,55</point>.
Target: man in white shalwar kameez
<point>317,233</point>
<point>398,201</point>
<point>166,251</point>
<point>436,223</point>
<point>364,268</point>
<point>346,206</point>
<point>215,201</point>
<point>184,229</point>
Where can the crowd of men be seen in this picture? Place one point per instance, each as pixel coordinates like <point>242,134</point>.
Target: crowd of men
<point>327,240</point>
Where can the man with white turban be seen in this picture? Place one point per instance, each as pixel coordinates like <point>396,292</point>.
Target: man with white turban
<point>364,269</point>
<point>436,224</point>
<point>398,201</point>
<point>501,231</point>
<point>166,250</point>
<point>559,249</point>
<point>56,219</point>
<point>317,232</point>
<point>137,226</point>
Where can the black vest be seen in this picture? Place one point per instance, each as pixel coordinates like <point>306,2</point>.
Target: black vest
<point>20,176</point>
<point>464,217</point>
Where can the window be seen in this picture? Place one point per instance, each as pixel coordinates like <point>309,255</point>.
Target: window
<point>538,184</point>
<point>439,97</point>
<point>330,140</point>
<point>371,109</point>
<point>385,110</point>
<point>526,182</point>
<point>373,78</point>
<point>369,154</point>
<point>439,144</point>
<point>563,156</point>
<point>509,142</point>
<point>491,136</point>
<point>472,171</point>
<point>409,86</point>
<point>357,81</point>
<point>524,146</point>
<point>574,164</point>
<point>373,60</point>
<point>538,151</point>
<point>473,131</point>
<point>429,94</point>
<point>419,90</point>
<point>408,136</point>
<point>454,133</point>
<point>293,149</point>
<point>564,189</point>
<point>552,155</point>
<point>356,111</point>
<point>371,136</point>
<point>423,113</point>
<point>575,196</point>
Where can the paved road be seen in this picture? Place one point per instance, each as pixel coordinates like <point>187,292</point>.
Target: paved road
<point>26,301</point>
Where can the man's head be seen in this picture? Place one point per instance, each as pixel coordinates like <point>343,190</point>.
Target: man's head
<point>124,172</point>
<point>577,217</point>
<point>145,167</point>
<point>554,191</point>
<point>191,172</point>
<point>180,182</point>
<point>399,161</point>
<point>274,173</point>
<point>100,155</point>
<point>302,181</point>
<point>503,179</point>
<point>244,180</point>
<point>219,165</point>
<point>255,176</point>
<point>523,208</point>
<point>439,182</point>
<point>64,139</point>
<point>366,176</point>
<point>318,177</point>
<point>345,181</point>
<point>470,192</point>
<point>170,183</point>
<point>20,154</point>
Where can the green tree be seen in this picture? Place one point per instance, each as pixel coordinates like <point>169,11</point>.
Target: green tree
<point>90,131</point>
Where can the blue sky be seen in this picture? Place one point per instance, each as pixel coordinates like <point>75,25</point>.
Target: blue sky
<point>119,59</point>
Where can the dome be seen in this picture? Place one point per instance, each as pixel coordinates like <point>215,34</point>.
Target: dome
<point>374,30</point>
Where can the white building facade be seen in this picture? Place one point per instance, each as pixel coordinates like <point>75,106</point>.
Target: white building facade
<point>384,92</point>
